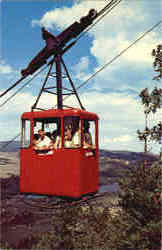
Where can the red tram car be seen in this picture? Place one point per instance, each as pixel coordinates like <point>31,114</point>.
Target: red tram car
<point>68,169</point>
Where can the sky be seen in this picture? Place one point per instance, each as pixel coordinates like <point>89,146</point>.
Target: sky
<point>113,93</point>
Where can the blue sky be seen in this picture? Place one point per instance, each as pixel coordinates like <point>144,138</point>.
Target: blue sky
<point>113,93</point>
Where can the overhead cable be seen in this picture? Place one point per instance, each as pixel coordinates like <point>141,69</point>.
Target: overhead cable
<point>105,10</point>
<point>25,84</point>
<point>122,52</point>
<point>116,57</point>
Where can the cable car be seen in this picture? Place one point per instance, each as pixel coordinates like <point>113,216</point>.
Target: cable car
<point>70,168</point>
<point>59,147</point>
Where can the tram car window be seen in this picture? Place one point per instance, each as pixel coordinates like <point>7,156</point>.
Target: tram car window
<point>47,135</point>
<point>25,134</point>
<point>89,134</point>
<point>72,132</point>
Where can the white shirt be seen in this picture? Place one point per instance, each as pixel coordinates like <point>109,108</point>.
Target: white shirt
<point>44,142</point>
<point>76,139</point>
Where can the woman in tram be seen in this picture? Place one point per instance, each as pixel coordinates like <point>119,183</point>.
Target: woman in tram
<point>68,136</point>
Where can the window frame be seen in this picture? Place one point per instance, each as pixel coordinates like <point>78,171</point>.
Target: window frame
<point>24,134</point>
<point>48,120</point>
<point>71,118</point>
<point>81,121</point>
<point>94,135</point>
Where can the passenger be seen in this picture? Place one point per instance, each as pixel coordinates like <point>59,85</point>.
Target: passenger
<point>87,138</point>
<point>43,143</point>
<point>68,136</point>
<point>76,138</point>
<point>36,140</point>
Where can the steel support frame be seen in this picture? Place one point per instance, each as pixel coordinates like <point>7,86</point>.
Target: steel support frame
<point>59,63</point>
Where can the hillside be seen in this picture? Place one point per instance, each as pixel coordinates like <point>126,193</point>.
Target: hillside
<point>16,223</point>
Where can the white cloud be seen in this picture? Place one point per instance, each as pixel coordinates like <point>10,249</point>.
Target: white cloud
<point>63,17</point>
<point>5,68</point>
<point>122,139</point>
<point>138,54</point>
<point>81,70</point>
<point>120,117</point>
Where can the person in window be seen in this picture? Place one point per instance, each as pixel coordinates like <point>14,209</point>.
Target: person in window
<point>76,138</point>
<point>36,139</point>
<point>87,138</point>
<point>68,136</point>
<point>43,144</point>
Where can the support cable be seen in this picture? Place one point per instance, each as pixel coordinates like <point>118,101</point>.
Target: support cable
<point>116,2</point>
<point>116,57</point>
<point>25,84</point>
<point>122,52</point>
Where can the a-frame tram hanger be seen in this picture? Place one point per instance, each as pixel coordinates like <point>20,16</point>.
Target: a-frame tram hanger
<point>59,64</point>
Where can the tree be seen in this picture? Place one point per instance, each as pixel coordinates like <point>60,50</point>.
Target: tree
<point>157,64</point>
<point>152,102</point>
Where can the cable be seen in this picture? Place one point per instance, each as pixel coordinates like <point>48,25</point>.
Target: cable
<point>14,85</point>
<point>8,99</point>
<point>116,2</point>
<point>122,52</point>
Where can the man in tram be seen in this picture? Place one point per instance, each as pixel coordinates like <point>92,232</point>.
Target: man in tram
<point>43,144</point>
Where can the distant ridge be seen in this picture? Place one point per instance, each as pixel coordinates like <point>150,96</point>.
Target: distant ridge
<point>127,155</point>
<point>8,146</point>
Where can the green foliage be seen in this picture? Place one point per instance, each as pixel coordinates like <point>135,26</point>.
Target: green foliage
<point>141,199</point>
<point>134,224</point>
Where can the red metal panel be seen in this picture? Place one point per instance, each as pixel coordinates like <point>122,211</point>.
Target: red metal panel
<point>59,113</point>
<point>67,172</point>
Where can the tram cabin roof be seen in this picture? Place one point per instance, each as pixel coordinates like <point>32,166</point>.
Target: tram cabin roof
<point>59,113</point>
